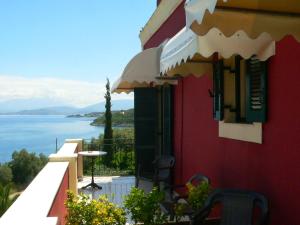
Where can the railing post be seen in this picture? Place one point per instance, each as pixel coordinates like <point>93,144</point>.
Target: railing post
<point>72,159</point>
<point>80,143</point>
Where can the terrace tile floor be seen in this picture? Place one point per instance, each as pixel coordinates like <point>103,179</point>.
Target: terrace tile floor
<point>114,187</point>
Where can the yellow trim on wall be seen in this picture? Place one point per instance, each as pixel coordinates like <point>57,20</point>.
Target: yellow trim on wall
<point>242,132</point>
<point>160,15</point>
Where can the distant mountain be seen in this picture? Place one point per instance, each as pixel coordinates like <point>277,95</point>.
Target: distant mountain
<point>59,110</point>
<point>69,110</point>
<point>17,105</point>
<point>100,107</point>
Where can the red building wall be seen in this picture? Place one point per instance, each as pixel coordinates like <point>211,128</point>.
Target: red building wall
<point>170,27</point>
<point>58,208</point>
<point>271,168</point>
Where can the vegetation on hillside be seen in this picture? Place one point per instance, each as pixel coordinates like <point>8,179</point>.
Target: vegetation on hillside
<point>92,114</point>
<point>5,199</point>
<point>25,166</point>
<point>122,118</point>
<point>6,175</point>
<point>21,170</point>
<point>122,162</point>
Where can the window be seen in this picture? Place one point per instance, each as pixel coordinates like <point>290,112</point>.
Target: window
<point>240,90</point>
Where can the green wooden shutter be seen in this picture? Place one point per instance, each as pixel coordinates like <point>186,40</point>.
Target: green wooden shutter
<point>218,89</point>
<point>167,121</point>
<point>256,90</point>
<point>145,124</point>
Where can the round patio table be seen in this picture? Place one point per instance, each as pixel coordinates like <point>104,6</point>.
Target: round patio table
<point>93,155</point>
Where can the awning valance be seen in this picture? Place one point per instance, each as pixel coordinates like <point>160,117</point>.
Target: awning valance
<point>195,10</point>
<point>254,17</point>
<point>141,71</point>
<point>186,44</point>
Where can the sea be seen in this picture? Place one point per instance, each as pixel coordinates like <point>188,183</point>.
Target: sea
<point>38,133</point>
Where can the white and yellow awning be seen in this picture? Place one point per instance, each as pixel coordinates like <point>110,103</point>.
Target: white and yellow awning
<point>214,27</point>
<point>253,17</point>
<point>141,71</point>
<point>187,44</point>
<point>228,28</point>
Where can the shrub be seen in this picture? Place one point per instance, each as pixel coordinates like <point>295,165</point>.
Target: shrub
<point>5,199</point>
<point>197,196</point>
<point>83,211</point>
<point>144,207</point>
<point>25,166</point>
<point>5,175</point>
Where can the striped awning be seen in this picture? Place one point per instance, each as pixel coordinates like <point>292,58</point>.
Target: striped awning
<point>141,71</point>
<point>254,17</point>
<point>228,28</point>
<point>187,44</point>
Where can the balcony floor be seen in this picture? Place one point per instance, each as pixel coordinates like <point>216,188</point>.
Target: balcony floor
<point>114,187</point>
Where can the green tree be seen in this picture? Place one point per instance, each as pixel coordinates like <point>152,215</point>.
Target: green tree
<point>5,199</point>
<point>5,174</point>
<point>25,166</point>
<point>108,132</point>
<point>124,149</point>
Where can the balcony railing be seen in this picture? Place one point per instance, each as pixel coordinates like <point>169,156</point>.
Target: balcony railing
<point>42,202</point>
<point>120,162</point>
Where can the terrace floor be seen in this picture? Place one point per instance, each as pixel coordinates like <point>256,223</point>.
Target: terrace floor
<point>115,187</point>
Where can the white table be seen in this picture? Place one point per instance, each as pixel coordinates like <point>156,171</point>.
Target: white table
<point>92,154</point>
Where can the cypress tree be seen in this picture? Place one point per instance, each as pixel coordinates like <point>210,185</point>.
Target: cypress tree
<point>108,132</point>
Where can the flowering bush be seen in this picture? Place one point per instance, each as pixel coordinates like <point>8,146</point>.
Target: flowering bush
<point>84,211</point>
<point>197,196</point>
<point>145,207</point>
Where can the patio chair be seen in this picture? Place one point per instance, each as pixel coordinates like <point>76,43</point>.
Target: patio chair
<point>162,167</point>
<point>172,198</point>
<point>237,208</point>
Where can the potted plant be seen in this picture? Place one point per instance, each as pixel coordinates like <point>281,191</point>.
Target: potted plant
<point>82,211</point>
<point>144,207</point>
<point>197,195</point>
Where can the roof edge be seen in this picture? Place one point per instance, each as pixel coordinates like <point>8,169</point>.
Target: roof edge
<point>163,11</point>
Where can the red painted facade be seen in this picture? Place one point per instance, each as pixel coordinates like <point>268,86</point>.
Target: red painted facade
<point>170,27</point>
<point>271,168</point>
<point>58,208</point>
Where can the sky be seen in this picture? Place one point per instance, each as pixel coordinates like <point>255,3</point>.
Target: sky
<point>63,50</point>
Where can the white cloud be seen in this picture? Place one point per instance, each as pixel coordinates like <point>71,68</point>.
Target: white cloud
<point>74,92</point>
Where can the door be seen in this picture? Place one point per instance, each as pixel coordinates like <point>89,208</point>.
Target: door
<point>145,123</point>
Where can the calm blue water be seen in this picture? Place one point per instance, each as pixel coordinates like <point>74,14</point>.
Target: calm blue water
<point>38,133</point>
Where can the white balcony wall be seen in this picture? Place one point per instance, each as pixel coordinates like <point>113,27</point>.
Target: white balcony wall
<point>34,204</point>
